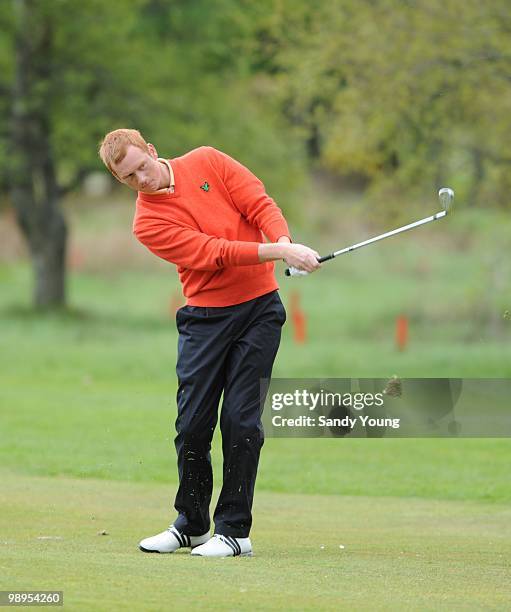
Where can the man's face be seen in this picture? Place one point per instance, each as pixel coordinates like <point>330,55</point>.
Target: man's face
<point>139,170</point>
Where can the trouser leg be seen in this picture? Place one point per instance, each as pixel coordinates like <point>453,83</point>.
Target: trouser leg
<point>250,358</point>
<point>202,348</point>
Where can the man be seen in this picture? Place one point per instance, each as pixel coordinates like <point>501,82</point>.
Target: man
<point>207,214</point>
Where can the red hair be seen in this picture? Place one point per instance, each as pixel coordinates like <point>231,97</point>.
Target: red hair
<point>113,148</point>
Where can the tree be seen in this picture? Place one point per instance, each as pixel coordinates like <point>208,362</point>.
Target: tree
<point>56,80</point>
<point>33,181</point>
<point>179,72</point>
<point>407,94</point>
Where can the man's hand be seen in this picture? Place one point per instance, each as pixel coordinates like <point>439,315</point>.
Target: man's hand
<point>298,256</point>
<point>301,257</point>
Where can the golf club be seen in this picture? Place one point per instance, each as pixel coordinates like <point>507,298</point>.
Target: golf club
<point>446,197</point>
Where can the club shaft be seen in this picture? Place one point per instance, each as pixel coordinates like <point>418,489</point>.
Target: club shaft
<point>399,230</point>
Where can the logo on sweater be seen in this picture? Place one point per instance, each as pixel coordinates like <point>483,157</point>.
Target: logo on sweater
<point>205,186</point>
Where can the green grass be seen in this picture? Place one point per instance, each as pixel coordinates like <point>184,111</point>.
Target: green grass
<point>409,554</point>
<point>127,434</point>
<point>87,425</point>
<point>91,394</point>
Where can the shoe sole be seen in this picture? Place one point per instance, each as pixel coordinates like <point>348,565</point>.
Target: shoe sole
<point>167,552</point>
<point>245,554</point>
<point>148,550</point>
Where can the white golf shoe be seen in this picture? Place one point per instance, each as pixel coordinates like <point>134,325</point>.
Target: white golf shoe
<point>224,546</point>
<point>171,540</point>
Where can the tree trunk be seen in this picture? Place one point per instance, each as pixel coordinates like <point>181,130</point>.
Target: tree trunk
<point>33,184</point>
<point>46,235</point>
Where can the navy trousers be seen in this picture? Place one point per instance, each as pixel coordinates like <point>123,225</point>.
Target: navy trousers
<point>222,350</point>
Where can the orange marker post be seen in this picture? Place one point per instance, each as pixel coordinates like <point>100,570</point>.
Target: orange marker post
<point>76,259</point>
<point>299,319</point>
<point>401,332</point>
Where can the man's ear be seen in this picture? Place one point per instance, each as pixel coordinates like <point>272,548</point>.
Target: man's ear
<point>152,150</point>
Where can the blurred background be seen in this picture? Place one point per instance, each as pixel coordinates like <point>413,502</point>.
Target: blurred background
<point>353,113</point>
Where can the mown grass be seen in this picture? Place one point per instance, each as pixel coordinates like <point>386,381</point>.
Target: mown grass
<point>86,429</point>
<point>91,393</point>
<point>396,553</point>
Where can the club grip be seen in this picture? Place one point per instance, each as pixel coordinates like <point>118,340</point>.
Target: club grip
<point>291,271</point>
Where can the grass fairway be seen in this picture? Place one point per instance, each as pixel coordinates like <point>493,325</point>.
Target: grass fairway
<point>86,426</point>
<point>398,554</point>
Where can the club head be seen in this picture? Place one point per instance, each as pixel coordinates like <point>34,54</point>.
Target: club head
<point>446,197</point>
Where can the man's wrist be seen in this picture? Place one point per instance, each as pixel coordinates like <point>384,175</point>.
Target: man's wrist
<point>269,251</point>
<point>283,240</point>
<point>283,250</point>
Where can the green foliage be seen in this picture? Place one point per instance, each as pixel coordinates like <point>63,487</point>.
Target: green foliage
<point>406,95</point>
<point>176,71</point>
<point>410,95</point>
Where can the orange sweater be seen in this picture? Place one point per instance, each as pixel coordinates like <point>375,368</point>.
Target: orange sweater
<point>210,228</point>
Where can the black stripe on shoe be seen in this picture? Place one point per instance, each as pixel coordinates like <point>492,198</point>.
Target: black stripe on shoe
<point>188,541</point>
<point>235,544</point>
<point>179,536</point>
<point>225,540</point>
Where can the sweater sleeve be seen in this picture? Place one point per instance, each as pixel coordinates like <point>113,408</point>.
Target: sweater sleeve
<point>192,249</point>
<point>249,196</point>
